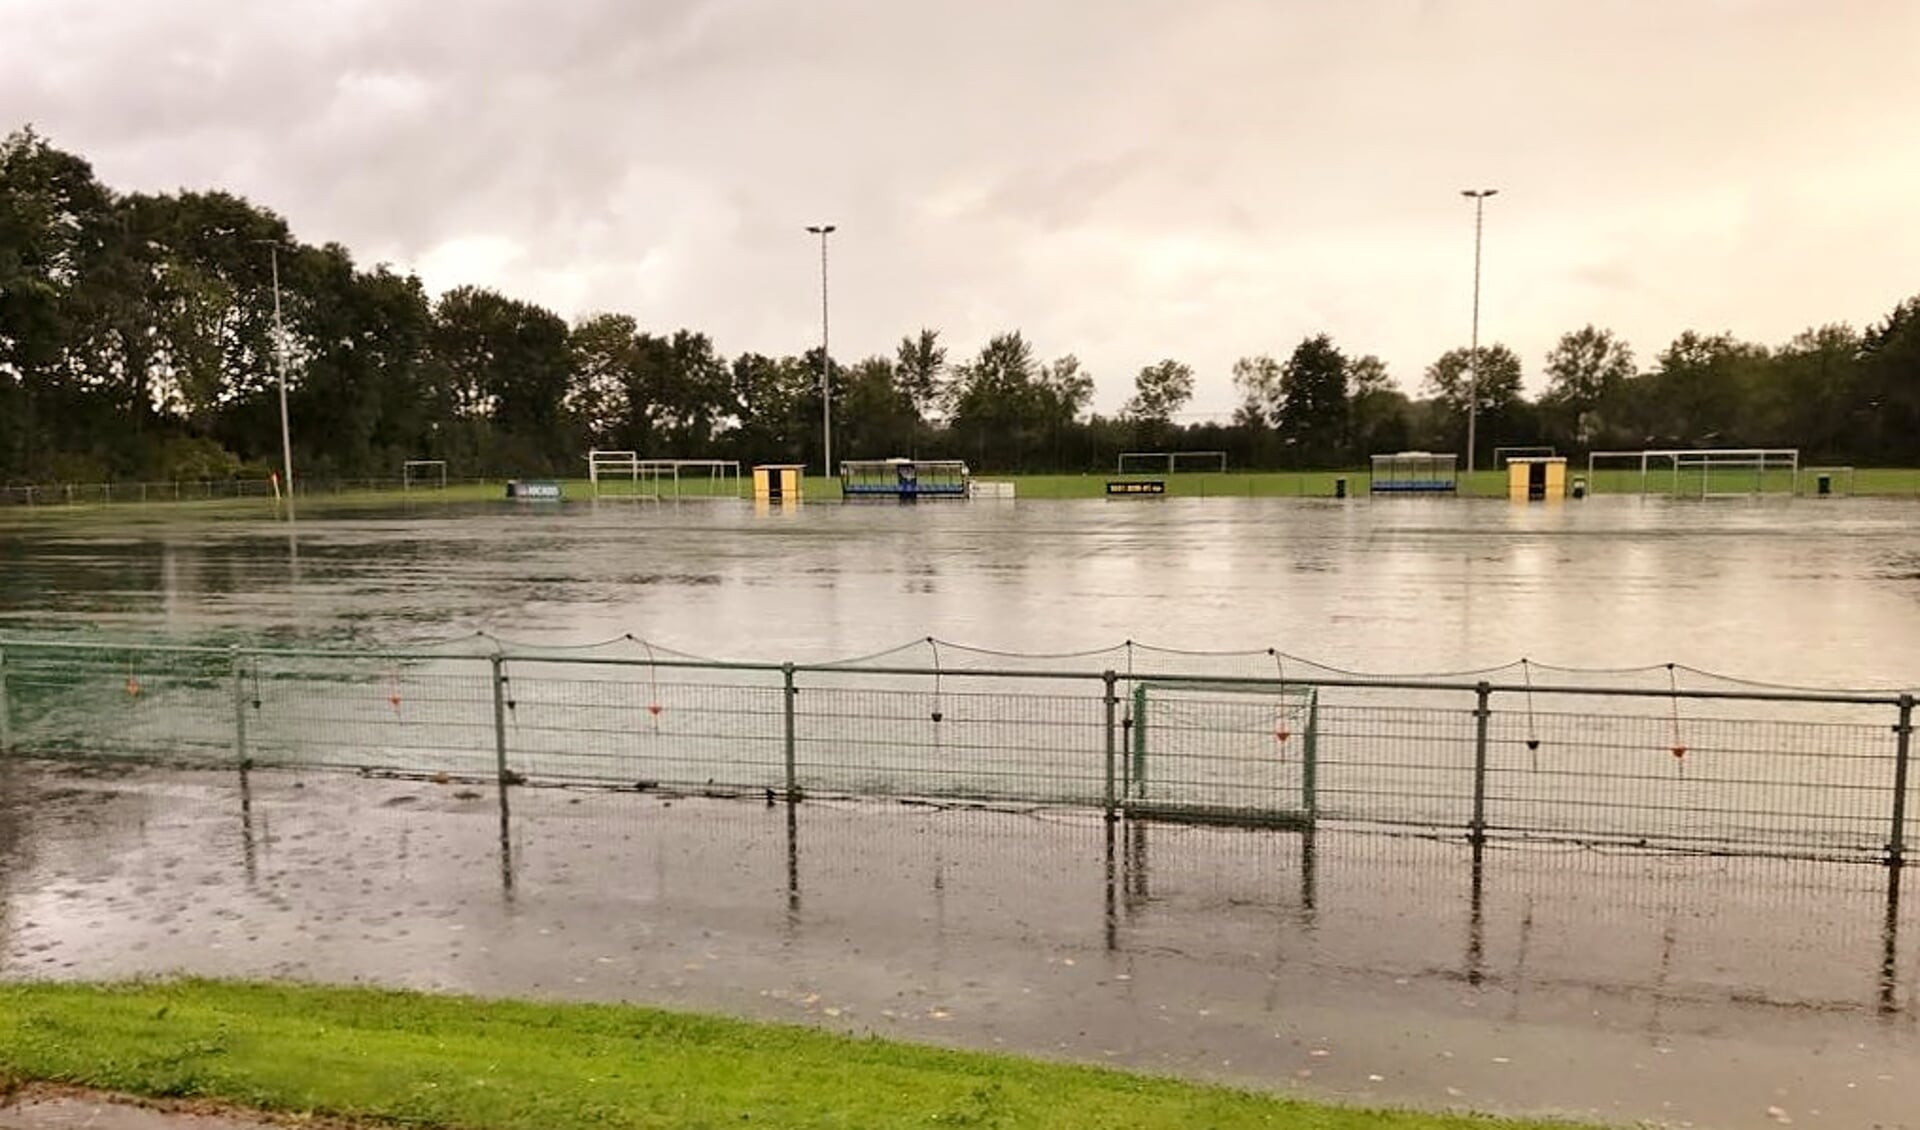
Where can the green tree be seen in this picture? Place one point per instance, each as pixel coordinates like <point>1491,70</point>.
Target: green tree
<point>54,215</point>
<point>601,377</point>
<point>1700,392</point>
<point>1257,380</point>
<point>1586,370</point>
<point>1887,400</point>
<point>1313,403</point>
<point>1065,389</point>
<point>879,419</point>
<point>691,394</point>
<point>771,396</point>
<point>362,402</point>
<point>995,405</point>
<point>502,366</point>
<point>1811,388</point>
<point>920,370</point>
<point>1062,392</point>
<point>1376,410</point>
<point>1159,391</point>
<point>1497,393</point>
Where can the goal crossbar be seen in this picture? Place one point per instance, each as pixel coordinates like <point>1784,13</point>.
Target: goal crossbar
<point>649,478</point>
<point>1169,461</point>
<point>422,470</point>
<point>1705,460</point>
<point>1503,455</point>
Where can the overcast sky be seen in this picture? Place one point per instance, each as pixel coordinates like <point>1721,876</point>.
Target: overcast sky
<point>1121,179</point>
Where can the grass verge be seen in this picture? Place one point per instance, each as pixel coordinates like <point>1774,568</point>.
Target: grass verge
<point>437,1061</point>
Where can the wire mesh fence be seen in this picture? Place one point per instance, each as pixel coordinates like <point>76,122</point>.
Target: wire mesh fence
<point>204,490</point>
<point>1742,770</point>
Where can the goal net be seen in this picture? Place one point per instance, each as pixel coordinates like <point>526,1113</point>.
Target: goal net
<point>1223,753</point>
<point>416,473</point>
<point>1704,472</point>
<point>1826,480</point>
<point>1504,455</point>
<point>623,474</point>
<point>1170,462</point>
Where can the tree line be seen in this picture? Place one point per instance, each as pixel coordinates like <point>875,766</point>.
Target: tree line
<point>137,340</point>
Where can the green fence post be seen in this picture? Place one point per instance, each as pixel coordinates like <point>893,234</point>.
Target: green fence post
<point>500,721</point>
<point>786,734</point>
<point>1903,733</point>
<point>1482,692</point>
<point>6,721</point>
<point>239,707</point>
<point>1139,740</point>
<point>1112,698</point>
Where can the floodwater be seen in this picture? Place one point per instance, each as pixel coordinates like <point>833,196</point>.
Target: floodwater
<point>1618,987</point>
<point>1615,984</point>
<point>1822,592</point>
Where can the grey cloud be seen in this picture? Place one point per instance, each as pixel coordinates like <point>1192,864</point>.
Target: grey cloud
<point>1122,180</point>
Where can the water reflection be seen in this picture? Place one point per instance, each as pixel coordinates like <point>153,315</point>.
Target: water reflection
<point>1529,918</point>
<point>624,893</point>
<point>1890,945</point>
<point>1431,584</point>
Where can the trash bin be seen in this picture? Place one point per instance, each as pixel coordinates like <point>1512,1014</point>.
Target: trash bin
<point>1579,486</point>
<point>1340,487</point>
<point>1823,484</point>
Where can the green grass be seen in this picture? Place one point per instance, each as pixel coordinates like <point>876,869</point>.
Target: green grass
<point>434,1061</point>
<point>1881,482</point>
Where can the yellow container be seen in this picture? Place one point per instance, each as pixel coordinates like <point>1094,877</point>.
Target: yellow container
<point>1537,479</point>
<point>777,482</point>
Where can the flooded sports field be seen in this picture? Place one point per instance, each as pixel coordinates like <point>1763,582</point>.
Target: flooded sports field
<point>1804,591</point>
<point>1598,953</point>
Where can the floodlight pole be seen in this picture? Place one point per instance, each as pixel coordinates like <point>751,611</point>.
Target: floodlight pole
<point>826,362</point>
<point>280,359</point>
<point>1479,197</point>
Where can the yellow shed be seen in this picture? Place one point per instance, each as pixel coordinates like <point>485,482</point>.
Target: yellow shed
<point>1535,479</point>
<point>777,482</point>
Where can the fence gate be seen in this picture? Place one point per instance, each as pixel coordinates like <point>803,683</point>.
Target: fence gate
<point>1222,753</point>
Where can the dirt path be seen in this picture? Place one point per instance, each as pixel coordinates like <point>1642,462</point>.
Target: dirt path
<point>46,1108</point>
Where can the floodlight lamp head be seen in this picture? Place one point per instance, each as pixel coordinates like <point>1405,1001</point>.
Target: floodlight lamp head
<point>820,229</point>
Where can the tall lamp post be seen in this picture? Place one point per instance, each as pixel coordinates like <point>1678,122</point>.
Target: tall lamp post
<point>1479,197</point>
<point>826,372</point>
<point>280,361</point>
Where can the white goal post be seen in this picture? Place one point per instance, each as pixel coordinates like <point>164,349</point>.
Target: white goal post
<point>1169,462</point>
<point>1691,471</point>
<point>660,478</point>
<point>1504,455</point>
<point>417,472</point>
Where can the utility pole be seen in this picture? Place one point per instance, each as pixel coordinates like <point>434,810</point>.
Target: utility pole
<point>280,358</point>
<point>1479,197</point>
<point>826,362</point>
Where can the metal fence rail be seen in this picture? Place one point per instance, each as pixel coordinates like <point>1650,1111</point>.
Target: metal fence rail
<point>203,490</point>
<point>1747,771</point>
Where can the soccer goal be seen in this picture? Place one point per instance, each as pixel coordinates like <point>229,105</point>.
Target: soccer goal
<point>613,472</point>
<point>623,474</point>
<point>1169,462</point>
<point>416,473</point>
<point>1700,472</point>
<point>1236,754</point>
<point>1819,481</point>
<point>1504,455</point>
